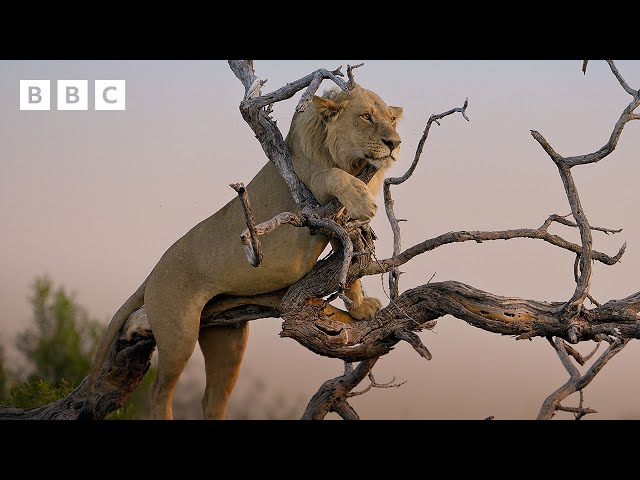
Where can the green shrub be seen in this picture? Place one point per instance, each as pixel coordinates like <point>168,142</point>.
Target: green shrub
<point>39,392</point>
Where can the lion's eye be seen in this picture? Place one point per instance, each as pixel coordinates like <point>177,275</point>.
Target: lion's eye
<point>393,119</point>
<point>366,117</point>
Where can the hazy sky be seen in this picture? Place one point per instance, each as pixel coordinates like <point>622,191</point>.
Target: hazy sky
<point>94,198</point>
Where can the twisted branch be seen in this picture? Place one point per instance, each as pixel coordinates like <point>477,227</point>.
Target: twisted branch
<point>394,275</point>
<point>564,164</point>
<point>309,320</point>
<point>541,233</point>
<point>576,381</point>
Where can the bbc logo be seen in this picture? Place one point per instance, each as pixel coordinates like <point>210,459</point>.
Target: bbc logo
<point>72,95</point>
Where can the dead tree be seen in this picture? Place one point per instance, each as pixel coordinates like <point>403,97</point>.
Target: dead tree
<point>301,306</point>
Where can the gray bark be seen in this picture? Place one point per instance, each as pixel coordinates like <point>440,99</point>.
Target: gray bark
<point>301,306</point>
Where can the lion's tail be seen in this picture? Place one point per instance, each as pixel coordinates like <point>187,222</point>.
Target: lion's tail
<point>134,302</point>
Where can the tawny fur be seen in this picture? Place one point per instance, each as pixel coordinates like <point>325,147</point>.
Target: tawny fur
<point>329,142</point>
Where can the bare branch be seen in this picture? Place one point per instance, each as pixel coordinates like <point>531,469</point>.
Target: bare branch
<point>561,349</point>
<point>270,225</point>
<point>394,275</point>
<point>593,300</point>
<point>350,68</point>
<point>615,348</point>
<point>580,411</point>
<point>555,156</point>
<point>319,76</point>
<point>578,357</point>
<point>356,341</point>
<point>374,384</point>
<point>414,340</point>
<point>584,280</point>
<point>616,73</point>
<point>290,89</point>
<point>333,393</point>
<point>481,236</point>
<point>311,321</point>
<point>265,129</point>
<point>410,337</point>
<point>576,382</point>
<point>423,139</point>
<point>626,116</point>
<point>250,241</point>
<point>415,308</point>
<point>346,411</point>
<point>569,223</point>
<point>243,69</point>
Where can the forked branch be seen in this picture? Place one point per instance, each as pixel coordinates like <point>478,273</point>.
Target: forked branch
<point>564,165</point>
<point>577,382</point>
<point>309,320</point>
<point>568,320</point>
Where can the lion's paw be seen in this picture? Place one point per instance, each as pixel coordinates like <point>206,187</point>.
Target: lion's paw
<point>367,309</point>
<point>358,200</point>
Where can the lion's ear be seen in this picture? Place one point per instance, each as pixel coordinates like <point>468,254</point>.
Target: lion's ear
<point>327,108</point>
<point>396,112</point>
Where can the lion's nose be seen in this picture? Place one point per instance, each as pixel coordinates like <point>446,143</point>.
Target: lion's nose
<point>392,144</point>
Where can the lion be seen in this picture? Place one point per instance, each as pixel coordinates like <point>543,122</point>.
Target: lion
<point>330,142</point>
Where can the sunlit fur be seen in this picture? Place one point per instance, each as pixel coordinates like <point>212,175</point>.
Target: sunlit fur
<point>332,132</point>
<point>329,142</point>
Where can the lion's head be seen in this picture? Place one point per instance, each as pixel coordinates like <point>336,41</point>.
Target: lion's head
<point>348,128</point>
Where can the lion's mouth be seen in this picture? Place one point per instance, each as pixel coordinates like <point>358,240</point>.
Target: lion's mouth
<point>383,159</point>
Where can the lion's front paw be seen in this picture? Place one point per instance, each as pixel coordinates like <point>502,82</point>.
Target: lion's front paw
<point>367,309</point>
<point>358,200</point>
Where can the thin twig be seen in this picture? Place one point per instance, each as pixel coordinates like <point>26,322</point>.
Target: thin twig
<point>374,384</point>
<point>579,411</point>
<point>564,221</point>
<point>336,390</point>
<point>394,275</point>
<point>623,83</point>
<point>578,356</point>
<point>350,68</point>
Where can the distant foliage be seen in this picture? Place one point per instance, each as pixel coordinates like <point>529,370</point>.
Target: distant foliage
<point>61,343</point>
<point>59,348</point>
<point>4,380</point>
<point>35,393</point>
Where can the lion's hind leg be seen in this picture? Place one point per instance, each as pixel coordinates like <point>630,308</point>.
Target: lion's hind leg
<point>175,322</point>
<point>223,349</point>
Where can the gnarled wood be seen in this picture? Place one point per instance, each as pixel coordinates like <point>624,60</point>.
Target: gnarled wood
<point>307,319</point>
